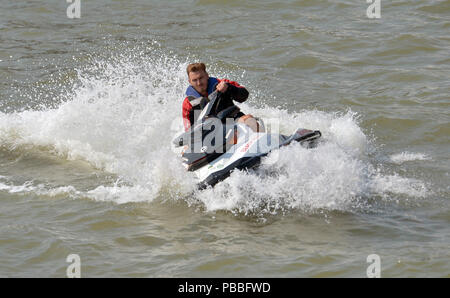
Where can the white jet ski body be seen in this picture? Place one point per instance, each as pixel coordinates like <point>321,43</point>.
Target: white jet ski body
<point>212,151</point>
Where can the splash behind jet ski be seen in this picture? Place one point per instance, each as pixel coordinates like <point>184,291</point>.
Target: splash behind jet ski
<point>216,144</point>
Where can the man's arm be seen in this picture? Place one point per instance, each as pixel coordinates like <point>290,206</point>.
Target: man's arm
<point>188,116</point>
<point>236,91</point>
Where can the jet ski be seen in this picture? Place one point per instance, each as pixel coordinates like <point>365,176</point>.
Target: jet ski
<point>215,145</point>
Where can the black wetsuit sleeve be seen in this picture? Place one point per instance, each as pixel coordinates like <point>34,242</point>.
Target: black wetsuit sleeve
<point>239,94</point>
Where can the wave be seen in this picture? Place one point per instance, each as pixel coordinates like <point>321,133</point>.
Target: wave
<point>400,158</point>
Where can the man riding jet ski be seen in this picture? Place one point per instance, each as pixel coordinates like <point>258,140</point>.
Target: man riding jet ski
<point>218,137</point>
<point>202,85</point>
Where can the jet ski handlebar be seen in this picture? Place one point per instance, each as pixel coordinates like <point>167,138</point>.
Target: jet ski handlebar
<point>211,109</point>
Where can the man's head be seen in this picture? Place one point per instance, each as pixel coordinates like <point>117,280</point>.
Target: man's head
<point>198,77</point>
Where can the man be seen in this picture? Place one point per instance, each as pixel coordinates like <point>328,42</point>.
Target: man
<point>202,85</point>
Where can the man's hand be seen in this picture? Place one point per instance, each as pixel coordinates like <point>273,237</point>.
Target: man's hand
<point>222,87</point>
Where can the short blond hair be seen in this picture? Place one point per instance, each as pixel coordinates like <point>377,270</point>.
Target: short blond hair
<point>195,67</point>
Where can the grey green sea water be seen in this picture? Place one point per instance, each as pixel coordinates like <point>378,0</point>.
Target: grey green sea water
<point>89,105</point>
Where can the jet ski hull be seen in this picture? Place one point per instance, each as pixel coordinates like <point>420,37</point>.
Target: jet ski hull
<point>222,167</point>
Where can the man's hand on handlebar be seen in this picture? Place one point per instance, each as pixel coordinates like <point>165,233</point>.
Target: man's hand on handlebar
<point>222,87</point>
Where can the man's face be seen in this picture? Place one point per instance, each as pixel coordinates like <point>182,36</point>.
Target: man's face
<point>199,80</point>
